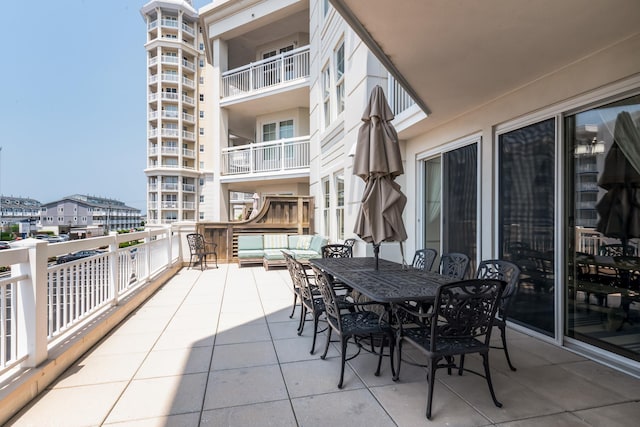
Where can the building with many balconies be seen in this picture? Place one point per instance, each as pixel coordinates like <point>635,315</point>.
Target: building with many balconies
<point>177,168</point>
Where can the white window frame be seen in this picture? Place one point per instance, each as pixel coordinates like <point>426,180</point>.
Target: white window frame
<point>340,78</point>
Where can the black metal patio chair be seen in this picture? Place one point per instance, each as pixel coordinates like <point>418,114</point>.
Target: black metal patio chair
<point>355,325</point>
<point>460,323</point>
<point>423,259</point>
<point>510,274</point>
<point>454,264</point>
<point>199,249</point>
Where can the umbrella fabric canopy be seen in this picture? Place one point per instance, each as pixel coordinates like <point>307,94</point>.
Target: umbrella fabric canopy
<point>619,209</point>
<point>378,161</point>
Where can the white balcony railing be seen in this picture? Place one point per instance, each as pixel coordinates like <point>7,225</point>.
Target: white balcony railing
<point>282,155</point>
<point>42,303</point>
<point>269,73</point>
<point>399,99</point>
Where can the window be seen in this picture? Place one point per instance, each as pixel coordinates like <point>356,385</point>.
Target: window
<point>202,63</point>
<point>201,182</point>
<point>201,46</point>
<point>201,114</point>
<point>201,131</point>
<point>201,165</point>
<point>339,183</point>
<point>202,148</point>
<point>201,97</point>
<point>326,95</point>
<point>269,132</point>
<point>339,64</point>
<point>286,129</point>
<point>201,80</point>
<point>326,205</point>
<point>201,215</point>
<point>201,199</point>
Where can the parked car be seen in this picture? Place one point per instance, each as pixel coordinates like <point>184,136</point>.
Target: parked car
<point>4,245</point>
<point>42,236</point>
<point>55,239</point>
<point>64,237</point>
<point>77,255</point>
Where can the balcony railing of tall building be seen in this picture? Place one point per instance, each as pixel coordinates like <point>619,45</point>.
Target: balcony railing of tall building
<point>169,187</point>
<point>188,135</point>
<point>188,153</point>
<point>188,99</point>
<point>153,187</point>
<point>399,100</point>
<point>187,29</point>
<point>169,59</point>
<point>169,205</point>
<point>188,205</point>
<point>272,156</point>
<point>188,117</point>
<point>266,74</point>
<point>188,82</point>
<point>189,188</point>
<point>188,65</point>
<point>169,78</point>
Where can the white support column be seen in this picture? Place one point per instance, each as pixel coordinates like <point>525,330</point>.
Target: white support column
<point>32,300</point>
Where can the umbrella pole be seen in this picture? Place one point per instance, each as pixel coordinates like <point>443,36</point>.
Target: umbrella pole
<point>376,253</point>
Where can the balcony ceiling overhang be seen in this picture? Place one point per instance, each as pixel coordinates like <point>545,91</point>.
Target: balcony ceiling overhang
<point>243,111</point>
<point>454,56</point>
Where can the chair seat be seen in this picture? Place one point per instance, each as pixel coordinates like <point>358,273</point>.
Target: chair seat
<point>363,323</point>
<point>420,337</point>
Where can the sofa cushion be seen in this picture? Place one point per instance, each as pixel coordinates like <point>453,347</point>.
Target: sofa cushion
<point>297,241</point>
<point>317,242</point>
<point>276,241</point>
<point>250,243</point>
<point>273,254</point>
<point>250,253</point>
<point>304,254</point>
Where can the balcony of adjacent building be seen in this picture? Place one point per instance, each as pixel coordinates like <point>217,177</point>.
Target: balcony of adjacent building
<point>280,159</point>
<point>283,72</point>
<point>171,96</point>
<point>170,28</point>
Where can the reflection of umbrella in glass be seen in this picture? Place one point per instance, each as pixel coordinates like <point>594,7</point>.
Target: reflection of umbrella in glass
<point>619,209</point>
<point>378,161</point>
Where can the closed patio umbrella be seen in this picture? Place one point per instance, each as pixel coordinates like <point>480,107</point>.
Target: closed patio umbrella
<point>619,209</point>
<point>378,162</point>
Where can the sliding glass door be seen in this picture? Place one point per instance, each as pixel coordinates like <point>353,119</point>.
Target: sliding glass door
<point>603,168</point>
<point>526,170</point>
<point>450,209</point>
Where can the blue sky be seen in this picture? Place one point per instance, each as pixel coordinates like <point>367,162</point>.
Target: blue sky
<point>73,111</point>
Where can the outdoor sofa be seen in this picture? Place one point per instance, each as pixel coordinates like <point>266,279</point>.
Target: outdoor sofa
<point>266,249</point>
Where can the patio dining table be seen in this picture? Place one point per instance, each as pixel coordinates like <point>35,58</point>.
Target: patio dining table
<point>391,283</point>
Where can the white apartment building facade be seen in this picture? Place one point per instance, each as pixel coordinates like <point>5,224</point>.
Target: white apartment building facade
<point>177,169</point>
<point>504,166</point>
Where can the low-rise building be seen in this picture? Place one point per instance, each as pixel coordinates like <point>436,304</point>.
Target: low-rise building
<point>84,211</point>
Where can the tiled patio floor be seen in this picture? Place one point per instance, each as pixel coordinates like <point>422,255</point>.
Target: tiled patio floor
<point>217,348</point>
